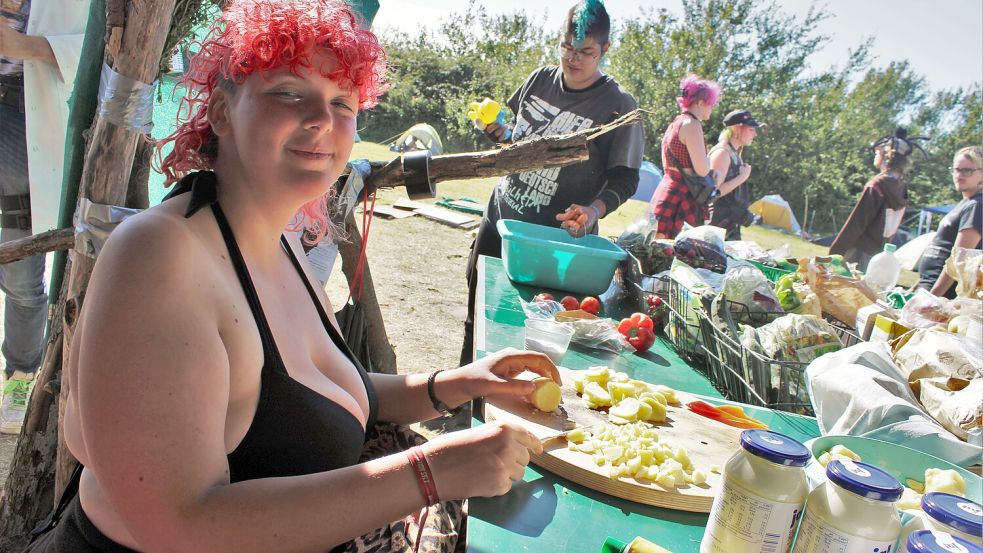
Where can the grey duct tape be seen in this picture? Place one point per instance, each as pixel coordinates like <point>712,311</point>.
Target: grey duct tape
<point>125,102</point>
<point>351,191</point>
<point>416,175</point>
<point>94,222</point>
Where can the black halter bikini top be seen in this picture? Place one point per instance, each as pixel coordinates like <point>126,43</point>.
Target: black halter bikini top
<point>295,430</point>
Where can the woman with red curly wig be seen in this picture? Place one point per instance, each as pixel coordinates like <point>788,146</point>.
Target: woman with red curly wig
<point>684,150</point>
<point>213,402</point>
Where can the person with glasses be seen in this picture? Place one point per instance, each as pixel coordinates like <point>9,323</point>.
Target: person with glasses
<point>559,99</point>
<point>876,217</point>
<point>684,150</point>
<point>960,227</point>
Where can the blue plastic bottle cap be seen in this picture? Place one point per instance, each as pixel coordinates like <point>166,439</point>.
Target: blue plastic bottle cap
<point>864,480</point>
<point>930,541</point>
<point>775,447</point>
<point>960,513</point>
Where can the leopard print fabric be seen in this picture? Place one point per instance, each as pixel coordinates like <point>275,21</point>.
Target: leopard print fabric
<point>444,528</point>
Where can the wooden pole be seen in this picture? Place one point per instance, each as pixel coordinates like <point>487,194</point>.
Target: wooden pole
<point>104,177</point>
<point>380,349</point>
<point>29,494</point>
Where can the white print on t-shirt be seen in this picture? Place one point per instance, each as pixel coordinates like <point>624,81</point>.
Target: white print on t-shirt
<point>538,117</point>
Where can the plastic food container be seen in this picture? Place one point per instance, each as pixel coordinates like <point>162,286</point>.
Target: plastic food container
<point>929,541</point>
<point>549,257</point>
<point>761,499</point>
<point>549,337</point>
<point>853,511</point>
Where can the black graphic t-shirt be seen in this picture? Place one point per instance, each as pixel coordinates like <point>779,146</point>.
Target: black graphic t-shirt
<point>543,106</point>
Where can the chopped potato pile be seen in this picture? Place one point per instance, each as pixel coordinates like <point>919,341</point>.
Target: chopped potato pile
<point>634,450</point>
<point>628,445</point>
<point>628,400</point>
<point>936,480</point>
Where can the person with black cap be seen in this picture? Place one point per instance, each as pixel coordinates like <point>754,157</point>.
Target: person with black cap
<point>730,208</point>
<point>878,213</point>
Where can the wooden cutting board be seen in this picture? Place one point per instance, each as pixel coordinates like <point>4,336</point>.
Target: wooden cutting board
<point>708,443</point>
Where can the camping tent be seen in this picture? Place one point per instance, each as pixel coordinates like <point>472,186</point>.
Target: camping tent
<point>775,211</point>
<point>911,253</point>
<point>418,137</point>
<point>649,176</point>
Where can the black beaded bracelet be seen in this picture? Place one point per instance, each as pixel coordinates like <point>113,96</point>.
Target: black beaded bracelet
<point>438,405</point>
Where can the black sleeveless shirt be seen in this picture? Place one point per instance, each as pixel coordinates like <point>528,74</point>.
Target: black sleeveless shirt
<point>295,430</point>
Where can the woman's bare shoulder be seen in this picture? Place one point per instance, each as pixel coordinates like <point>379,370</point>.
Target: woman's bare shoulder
<point>158,251</point>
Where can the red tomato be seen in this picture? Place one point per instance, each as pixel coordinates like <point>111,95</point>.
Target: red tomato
<point>653,301</point>
<point>570,303</point>
<point>591,305</point>
<point>545,296</point>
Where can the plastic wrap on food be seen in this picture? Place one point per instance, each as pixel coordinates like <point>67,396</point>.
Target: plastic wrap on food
<point>840,296</point>
<point>966,267</point>
<point>747,285</point>
<point>792,337</point>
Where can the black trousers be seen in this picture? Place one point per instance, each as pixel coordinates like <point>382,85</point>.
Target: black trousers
<point>75,533</point>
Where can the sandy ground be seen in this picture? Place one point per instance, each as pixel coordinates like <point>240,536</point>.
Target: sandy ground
<point>418,269</point>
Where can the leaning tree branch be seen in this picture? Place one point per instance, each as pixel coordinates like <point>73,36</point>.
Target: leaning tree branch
<point>15,250</point>
<point>529,155</point>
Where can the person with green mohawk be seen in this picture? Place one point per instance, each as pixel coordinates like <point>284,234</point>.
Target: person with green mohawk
<point>559,99</point>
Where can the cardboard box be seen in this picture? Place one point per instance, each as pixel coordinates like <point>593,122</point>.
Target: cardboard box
<point>867,314</point>
<point>886,329</point>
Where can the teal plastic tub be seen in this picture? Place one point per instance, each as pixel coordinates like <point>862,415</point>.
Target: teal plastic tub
<point>549,257</point>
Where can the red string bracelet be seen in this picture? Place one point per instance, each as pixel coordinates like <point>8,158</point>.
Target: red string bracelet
<point>427,485</point>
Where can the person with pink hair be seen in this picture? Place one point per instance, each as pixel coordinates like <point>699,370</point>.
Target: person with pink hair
<point>211,400</point>
<point>684,151</point>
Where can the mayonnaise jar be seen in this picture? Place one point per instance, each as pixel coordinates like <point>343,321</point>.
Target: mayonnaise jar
<point>764,488</point>
<point>945,512</point>
<point>931,541</point>
<point>854,511</point>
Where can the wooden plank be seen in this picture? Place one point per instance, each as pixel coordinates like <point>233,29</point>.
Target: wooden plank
<point>405,203</point>
<point>392,212</point>
<point>707,443</point>
<point>445,216</point>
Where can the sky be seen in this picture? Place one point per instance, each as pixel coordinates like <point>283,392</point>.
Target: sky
<point>941,39</point>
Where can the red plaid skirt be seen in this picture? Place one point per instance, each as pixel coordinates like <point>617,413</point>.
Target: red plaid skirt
<point>673,205</point>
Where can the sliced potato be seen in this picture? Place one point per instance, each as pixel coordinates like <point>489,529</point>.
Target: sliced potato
<point>626,409</point>
<point>948,481</point>
<point>546,396</point>
<point>843,450</point>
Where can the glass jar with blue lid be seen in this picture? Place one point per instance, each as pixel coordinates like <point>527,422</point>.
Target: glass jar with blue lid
<point>932,541</point>
<point>854,511</point>
<point>760,502</point>
<point>955,515</point>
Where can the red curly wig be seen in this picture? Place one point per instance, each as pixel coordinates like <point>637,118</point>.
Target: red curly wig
<point>261,35</point>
